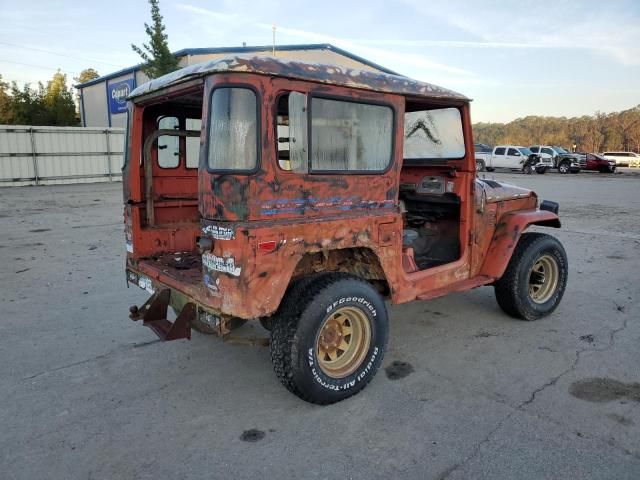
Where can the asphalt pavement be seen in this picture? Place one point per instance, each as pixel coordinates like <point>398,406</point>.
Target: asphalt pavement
<point>87,394</point>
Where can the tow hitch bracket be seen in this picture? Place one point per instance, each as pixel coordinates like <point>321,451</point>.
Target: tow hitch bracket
<point>154,315</point>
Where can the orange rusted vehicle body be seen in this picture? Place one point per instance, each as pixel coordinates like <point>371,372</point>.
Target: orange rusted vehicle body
<point>228,244</point>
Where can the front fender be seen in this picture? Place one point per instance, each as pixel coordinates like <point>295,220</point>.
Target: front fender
<point>506,235</point>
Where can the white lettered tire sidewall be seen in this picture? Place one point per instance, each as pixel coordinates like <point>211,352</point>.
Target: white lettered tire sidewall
<point>309,374</point>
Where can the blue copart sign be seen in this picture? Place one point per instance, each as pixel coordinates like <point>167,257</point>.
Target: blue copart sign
<point>118,93</point>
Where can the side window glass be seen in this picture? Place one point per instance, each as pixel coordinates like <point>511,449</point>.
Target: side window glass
<point>512,151</point>
<point>350,136</point>
<point>499,151</point>
<point>535,149</point>
<point>193,143</point>
<point>168,145</point>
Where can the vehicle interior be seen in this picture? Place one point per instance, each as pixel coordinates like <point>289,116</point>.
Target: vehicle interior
<point>429,188</point>
<point>165,204</point>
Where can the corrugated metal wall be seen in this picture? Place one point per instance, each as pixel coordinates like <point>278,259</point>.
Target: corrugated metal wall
<point>54,155</point>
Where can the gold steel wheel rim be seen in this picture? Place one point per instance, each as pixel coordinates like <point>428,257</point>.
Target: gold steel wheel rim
<point>343,342</point>
<point>543,279</point>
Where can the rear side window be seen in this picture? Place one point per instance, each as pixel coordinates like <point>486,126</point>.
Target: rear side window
<point>168,145</point>
<point>350,136</point>
<point>233,125</point>
<point>499,151</point>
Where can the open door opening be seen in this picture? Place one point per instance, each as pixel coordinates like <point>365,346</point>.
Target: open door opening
<point>430,186</point>
<point>163,177</point>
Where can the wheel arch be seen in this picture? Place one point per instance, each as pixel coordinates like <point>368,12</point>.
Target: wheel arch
<point>361,262</point>
<point>507,234</point>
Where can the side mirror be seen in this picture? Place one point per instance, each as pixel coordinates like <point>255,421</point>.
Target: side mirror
<point>517,154</point>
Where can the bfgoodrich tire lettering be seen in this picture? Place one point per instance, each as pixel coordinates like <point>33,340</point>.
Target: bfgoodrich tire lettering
<point>513,289</point>
<point>296,332</point>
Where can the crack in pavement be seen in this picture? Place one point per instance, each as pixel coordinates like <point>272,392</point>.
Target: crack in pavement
<point>520,408</point>
<point>578,353</point>
<point>476,449</point>
<point>88,360</point>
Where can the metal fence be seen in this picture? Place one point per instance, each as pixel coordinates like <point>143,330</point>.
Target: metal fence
<point>55,155</point>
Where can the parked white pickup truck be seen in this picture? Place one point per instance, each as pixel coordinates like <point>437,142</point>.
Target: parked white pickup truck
<point>512,157</point>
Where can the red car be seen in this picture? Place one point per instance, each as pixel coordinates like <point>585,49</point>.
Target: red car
<point>591,161</point>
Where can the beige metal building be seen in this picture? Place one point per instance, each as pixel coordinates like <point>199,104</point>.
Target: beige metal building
<point>103,100</point>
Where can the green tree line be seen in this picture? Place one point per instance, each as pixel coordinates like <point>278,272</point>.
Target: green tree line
<point>590,133</point>
<point>50,104</point>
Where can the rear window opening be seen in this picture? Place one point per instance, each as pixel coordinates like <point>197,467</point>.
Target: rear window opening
<point>169,162</point>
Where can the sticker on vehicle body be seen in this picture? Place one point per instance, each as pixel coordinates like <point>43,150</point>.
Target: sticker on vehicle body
<point>218,232</point>
<point>146,284</point>
<point>219,264</point>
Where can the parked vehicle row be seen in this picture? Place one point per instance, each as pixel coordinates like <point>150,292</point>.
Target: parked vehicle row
<point>513,157</point>
<point>543,157</point>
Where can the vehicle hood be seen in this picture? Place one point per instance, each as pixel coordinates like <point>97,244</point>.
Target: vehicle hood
<point>499,191</point>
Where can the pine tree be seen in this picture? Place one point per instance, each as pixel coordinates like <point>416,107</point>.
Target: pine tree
<point>156,55</point>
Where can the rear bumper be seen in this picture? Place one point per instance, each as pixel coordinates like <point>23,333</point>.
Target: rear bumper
<point>183,298</point>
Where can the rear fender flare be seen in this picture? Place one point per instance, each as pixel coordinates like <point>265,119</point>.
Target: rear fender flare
<point>506,235</point>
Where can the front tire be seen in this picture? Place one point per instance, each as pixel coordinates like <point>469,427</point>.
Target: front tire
<point>329,338</point>
<point>480,167</point>
<point>535,279</point>
<point>564,167</point>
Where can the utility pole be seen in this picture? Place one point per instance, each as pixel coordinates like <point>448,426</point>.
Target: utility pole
<point>273,28</point>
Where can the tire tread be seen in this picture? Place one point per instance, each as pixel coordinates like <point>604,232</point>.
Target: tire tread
<point>506,288</point>
<point>283,334</point>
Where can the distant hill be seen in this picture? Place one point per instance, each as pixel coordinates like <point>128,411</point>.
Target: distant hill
<point>596,133</point>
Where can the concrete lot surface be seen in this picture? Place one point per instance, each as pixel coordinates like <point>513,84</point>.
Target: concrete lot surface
<point>87,394</point>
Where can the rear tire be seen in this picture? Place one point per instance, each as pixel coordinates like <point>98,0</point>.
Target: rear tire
<point>535,279</point>
<point>333,313</point>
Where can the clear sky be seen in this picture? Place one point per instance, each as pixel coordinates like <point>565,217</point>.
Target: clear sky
<point>513,57</point>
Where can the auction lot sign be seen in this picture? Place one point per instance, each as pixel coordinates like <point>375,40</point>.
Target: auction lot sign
<point>118,93</point>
